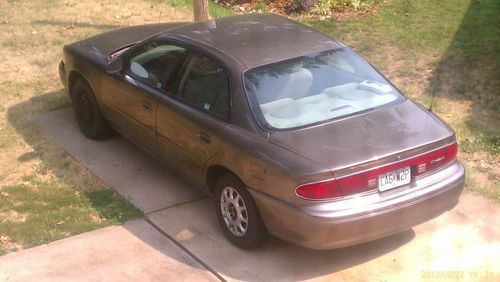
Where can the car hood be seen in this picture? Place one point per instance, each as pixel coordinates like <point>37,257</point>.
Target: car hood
<point>98,48</point>
<point>368,137</point>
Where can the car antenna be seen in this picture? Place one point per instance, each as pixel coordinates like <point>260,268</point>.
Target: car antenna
<point>432,101</point>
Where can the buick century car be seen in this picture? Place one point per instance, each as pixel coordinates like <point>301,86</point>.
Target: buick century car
<point>289,130</point>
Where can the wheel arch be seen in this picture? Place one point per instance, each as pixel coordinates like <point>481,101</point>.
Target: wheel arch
<point>214,172</point>
<point>74,75</point>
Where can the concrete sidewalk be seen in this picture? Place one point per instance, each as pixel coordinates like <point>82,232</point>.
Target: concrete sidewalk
<point>135,251</point>
<point>464,240</point>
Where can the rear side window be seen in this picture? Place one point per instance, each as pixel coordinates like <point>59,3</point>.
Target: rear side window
<point>205,86</point>
<point>158,64</point>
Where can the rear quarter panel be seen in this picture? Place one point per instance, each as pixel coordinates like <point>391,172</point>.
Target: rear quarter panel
<point>265,167</point>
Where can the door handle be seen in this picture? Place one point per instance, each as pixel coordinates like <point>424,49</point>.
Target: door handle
<point>204,137</point>
<point>147,105</point>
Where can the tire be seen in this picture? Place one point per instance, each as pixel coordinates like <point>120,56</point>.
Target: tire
<point>237,212</point>
<point>88,116</point>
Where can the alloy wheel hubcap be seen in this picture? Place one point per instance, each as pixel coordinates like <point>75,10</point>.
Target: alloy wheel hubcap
<point>234,211</point>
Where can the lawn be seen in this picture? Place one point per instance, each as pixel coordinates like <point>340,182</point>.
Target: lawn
<point>446,49</point>
<point>45,194</point>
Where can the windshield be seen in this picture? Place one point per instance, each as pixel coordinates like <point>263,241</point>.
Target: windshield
<point>316,88</point>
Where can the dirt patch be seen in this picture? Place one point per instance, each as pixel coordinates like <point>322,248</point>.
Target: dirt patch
<point>12,216</point>
<point>288,8</point>
<point>279,6</point>
<point>7,244</point>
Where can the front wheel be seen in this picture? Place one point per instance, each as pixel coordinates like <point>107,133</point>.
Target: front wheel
<point>87,113</point>
<point>237,213</point>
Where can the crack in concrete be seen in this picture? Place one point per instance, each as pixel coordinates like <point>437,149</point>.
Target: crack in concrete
<point>176,205</point>
<point>188,252</point>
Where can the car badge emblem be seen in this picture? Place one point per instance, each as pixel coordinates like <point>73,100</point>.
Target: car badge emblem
<point>437,160</point>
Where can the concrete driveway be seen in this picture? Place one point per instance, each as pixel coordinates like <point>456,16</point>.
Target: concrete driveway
<point>180,239</point>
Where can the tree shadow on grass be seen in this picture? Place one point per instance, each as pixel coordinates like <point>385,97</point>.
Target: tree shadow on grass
<point>470,72</point>
<point>467,84</point>
<point>75,24</point>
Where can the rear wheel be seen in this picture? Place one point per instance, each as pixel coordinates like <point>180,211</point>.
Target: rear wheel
<point>237,213</point>
<point>87,113</point>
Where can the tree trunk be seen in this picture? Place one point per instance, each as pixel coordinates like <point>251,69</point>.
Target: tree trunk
<point>200,10</point>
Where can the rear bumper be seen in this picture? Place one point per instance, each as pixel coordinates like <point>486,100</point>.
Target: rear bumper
<point>329,225</point>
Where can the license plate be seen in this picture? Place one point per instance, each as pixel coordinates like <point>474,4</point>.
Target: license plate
<point>394,179</point>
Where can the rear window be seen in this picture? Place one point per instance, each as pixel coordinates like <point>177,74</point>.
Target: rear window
<point>316,88</point>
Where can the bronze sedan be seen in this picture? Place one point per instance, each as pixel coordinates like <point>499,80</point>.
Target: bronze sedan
<point>289,130</point>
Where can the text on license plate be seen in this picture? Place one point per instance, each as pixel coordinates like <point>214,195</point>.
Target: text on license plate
<point>394,179</point>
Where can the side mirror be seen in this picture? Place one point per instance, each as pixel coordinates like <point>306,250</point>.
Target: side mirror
<point>114,66</point>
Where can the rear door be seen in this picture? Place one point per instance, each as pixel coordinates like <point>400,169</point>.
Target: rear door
<point>192,117</point>
<point>132,96</point>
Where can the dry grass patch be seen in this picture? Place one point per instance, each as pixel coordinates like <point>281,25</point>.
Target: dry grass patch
<point>12,216</point>
<point>44,193</point>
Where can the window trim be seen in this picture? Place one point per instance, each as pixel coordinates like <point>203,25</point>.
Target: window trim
<point>140,50</point>
<point>184,72</point>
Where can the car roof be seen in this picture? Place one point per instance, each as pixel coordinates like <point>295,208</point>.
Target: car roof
<point>258,39</point>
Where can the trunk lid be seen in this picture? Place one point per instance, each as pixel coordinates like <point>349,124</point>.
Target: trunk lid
<point>374,138</point>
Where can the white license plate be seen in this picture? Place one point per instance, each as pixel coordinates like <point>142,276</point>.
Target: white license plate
<point>394,179</point>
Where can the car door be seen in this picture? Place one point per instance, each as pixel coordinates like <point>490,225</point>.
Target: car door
<point>191,120</point>
<point>132,95</point>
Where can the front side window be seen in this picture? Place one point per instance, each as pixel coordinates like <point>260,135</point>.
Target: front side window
<point>158,64</point>
<point>205,86</point>
<point>316,88</point>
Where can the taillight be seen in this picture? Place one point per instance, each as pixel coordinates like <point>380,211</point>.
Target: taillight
<point>368,180</point>
<point>320,190</point>
<point>435,159</point>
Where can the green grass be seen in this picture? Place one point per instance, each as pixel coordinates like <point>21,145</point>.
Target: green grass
<point>35,211</point>
<point>417,26</point>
